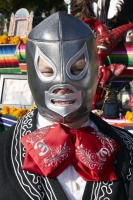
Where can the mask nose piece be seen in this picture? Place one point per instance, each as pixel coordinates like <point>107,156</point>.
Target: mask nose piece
<point>64,79</point>
<point>62,91</point>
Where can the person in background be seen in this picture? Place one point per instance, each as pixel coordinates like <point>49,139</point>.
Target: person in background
<point>83,9</point>
<point>60,150</point>
<point>111,13</point>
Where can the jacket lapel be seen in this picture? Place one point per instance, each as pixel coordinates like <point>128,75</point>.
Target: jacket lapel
<point>105,128</point>
<point>49,188</point>
<point>57,189</point>
<point>87,191</point>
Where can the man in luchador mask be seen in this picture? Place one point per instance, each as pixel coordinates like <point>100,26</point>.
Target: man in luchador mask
<point>60,149</point>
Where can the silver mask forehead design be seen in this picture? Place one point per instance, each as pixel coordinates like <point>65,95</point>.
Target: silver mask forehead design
<point>67,46</point>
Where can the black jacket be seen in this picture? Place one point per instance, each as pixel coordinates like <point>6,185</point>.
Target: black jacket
<point>16,184</point>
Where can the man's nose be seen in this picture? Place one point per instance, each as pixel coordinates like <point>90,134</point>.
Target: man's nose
<point>63,91</point>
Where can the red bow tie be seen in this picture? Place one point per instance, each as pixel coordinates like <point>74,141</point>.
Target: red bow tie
<point>50,150</point>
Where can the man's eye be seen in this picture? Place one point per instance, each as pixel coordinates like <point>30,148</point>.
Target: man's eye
<point>78,66</point>
<point>75,71</point>
<point>45,68</point>
<point>47,73</point>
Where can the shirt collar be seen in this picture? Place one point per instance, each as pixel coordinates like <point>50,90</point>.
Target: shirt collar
<point>41,122</point>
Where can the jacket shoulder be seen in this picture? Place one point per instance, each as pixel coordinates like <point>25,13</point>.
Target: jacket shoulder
<point>126,137</point>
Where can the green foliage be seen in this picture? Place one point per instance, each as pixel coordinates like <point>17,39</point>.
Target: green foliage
<point>9,6</point>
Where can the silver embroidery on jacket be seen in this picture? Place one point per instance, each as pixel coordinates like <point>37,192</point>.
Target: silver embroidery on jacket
<point>36,187</point>
<point>129,143</point>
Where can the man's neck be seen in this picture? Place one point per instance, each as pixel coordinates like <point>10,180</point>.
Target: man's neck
<point>74,125</point>
<point>77,124</point>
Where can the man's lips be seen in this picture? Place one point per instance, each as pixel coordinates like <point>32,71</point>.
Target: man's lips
<point>63,103</point>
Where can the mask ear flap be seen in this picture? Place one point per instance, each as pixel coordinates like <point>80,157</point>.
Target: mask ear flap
<point>96,97</point>
<point>98,89</point>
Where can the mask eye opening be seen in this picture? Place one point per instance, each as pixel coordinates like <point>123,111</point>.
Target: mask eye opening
<point>78,65</point>
<point>45,68</point>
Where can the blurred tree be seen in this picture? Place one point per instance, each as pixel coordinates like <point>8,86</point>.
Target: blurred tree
<point>9,6</point>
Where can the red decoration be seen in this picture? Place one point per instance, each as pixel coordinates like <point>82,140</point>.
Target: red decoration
<point>51,149</point>
<point>106,42</point>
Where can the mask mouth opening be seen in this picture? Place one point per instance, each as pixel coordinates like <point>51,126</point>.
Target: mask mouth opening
<point>63,103</point>
<point>63,99</point>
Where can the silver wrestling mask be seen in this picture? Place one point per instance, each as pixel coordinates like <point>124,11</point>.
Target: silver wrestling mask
<point>62,65</point>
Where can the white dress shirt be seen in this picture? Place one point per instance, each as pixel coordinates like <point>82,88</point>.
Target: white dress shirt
<point>72,183</point>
